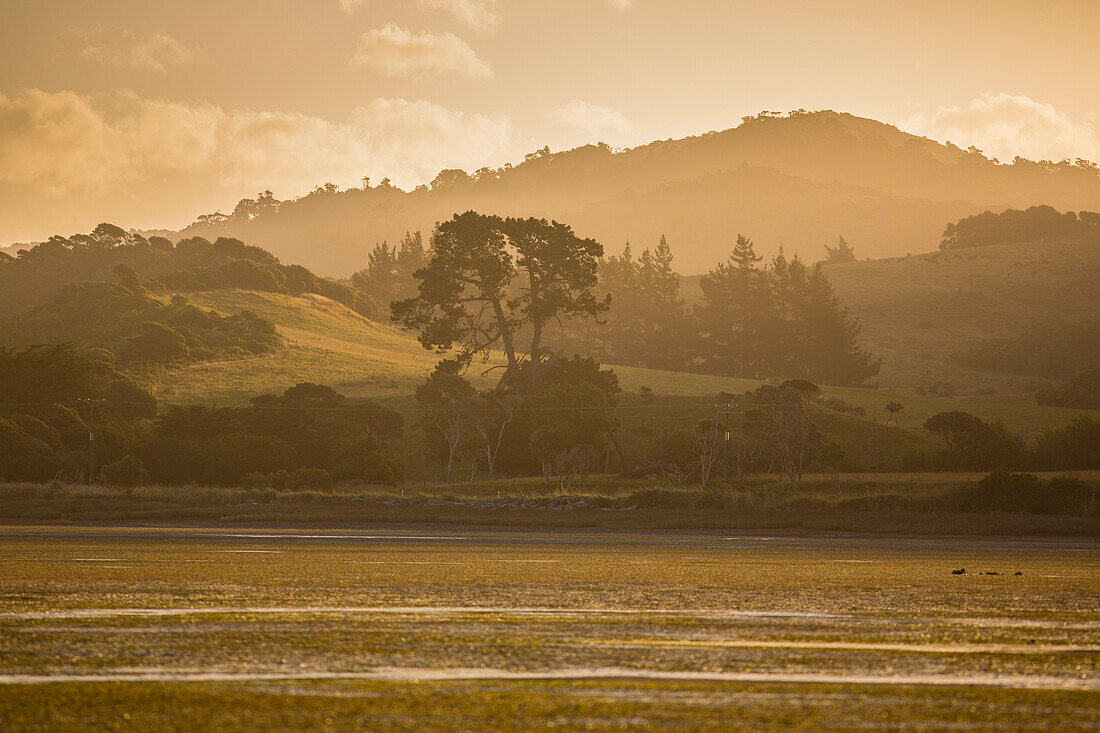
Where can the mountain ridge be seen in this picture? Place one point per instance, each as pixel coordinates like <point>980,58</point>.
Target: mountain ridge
<point>840,168</point>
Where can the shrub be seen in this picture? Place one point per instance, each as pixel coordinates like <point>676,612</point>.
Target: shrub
<point>1025,492</point>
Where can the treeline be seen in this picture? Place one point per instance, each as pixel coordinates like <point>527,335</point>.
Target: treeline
<point>192,264</point>
<point>1035,224</point>
<point>754,319</point>
<point>311,437</point>
<point>972,444</point>
<point>52,398</point>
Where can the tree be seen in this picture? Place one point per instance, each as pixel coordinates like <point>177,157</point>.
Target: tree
<point>958,430</point>
<point>973,444</point>
<point>842,252</point>
<point>735,300</point>
<point>442,396</point>
<point>389,272</point>
<point>892,410</point>
<point>646,323</point>
<point>410,258</point>
<point>784,318</point>
<point>487,417</point>
<point>381,279</point>
<point>710,445</point>
<point>492,281</point>
<point>743,254</point>
<point>128,277</point>
<point>779,429</point>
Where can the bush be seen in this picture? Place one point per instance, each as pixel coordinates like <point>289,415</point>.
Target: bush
<point>1025,492</point>
<point>127,471</point>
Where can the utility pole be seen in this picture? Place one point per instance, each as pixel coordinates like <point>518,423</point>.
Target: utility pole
<point>91,436</point>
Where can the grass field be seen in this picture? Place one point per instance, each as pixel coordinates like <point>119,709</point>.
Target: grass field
<point>330,344</point>
<point>176,628</point>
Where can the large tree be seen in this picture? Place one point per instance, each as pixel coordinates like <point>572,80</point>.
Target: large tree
<point>494,283</point>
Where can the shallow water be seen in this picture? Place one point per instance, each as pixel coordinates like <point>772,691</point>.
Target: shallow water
<point>425,674</point>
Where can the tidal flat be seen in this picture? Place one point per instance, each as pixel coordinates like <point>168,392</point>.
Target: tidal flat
<point>239,629</point>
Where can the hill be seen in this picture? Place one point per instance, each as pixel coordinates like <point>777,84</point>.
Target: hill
<point>37,274</point>
<point>918,312</point>
<point>798,180</point>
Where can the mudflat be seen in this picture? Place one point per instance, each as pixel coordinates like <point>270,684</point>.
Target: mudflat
<point>400,628</point>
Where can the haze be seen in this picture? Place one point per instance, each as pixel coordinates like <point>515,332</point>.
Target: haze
<point>148,114</point>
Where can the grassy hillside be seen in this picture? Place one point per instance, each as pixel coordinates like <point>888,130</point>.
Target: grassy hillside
<point>917,311</point>
<point>327,343</point>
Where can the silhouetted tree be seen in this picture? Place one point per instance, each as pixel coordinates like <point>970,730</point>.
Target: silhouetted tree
<point>892,410</point>
<point>743,255</point>
<point>784,318</point>
<point>1035,224</point>
<point>842,252</point>
<point>492,281</point>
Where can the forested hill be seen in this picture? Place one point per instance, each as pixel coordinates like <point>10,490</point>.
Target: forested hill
<point>37,274</point>
<point>799,180</point>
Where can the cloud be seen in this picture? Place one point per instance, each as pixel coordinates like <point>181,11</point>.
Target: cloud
<point>1005,125</point>
<point>126,48</point>
<point>592,118</point>
<point>68,161</point>
<point>395,51</point>
<point>478,14</point>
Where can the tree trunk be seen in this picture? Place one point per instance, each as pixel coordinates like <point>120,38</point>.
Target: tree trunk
<point>619,450</point>
<point>490,460</point>
<point>506,338</point>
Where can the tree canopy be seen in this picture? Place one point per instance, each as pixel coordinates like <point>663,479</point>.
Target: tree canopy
<point>491,282</point>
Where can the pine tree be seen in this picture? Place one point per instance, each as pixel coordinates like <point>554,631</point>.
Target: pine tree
<point>743,254</point>
<point>842,252</point>
<point>781,320</point>
<point>381,279</point>
<point>410,258</point>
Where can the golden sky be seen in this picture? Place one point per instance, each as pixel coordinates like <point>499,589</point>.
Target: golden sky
<point>149,113</point>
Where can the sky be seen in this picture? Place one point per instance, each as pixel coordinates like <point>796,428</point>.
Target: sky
<point>147,114</point>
